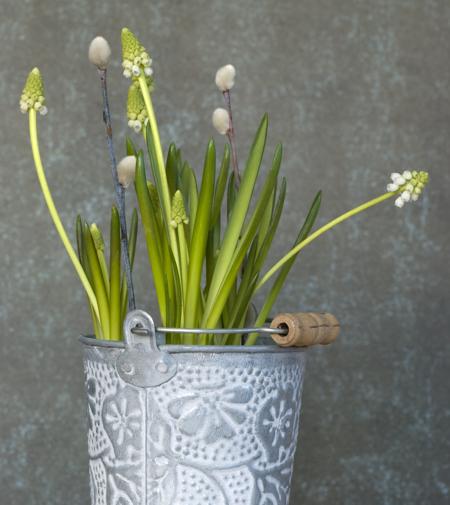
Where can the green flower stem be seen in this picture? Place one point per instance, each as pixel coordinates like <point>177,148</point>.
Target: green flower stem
<point>166,204</point>
<point>184,257</point>
<point>319,232</point>
<point>54,213</point>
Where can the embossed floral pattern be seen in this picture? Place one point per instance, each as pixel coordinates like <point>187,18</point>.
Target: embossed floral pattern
<point>211,414</point>
<point>212,435</point>
<point>122,421</point>
<point>279,422</point>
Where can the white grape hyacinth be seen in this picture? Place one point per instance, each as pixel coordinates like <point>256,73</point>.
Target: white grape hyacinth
<point>409,185</point>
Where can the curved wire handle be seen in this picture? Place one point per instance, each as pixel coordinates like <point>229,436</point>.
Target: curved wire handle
<point>215,331</point>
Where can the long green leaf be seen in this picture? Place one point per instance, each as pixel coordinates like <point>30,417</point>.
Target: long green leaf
<point>132,238</point>
<point>238,214</point>
<point>199,237</point>
<point>114,275</point>
<point>151,232</point>
<point>97,281</point>
<point>281,278</point>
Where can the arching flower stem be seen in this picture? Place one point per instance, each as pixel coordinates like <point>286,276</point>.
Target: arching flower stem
<point>54,213</point>
<point>321,231</point>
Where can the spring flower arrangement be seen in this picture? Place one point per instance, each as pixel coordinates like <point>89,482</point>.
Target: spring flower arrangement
<point>207,237</point>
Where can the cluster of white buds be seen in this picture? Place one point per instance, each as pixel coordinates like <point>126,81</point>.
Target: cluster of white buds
<point>136,110</point>
<point>409,185</point>
<point>135,59</point>
<point>33,93</point>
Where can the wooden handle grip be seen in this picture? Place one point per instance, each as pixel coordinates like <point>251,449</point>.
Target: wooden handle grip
<point>306,329</point>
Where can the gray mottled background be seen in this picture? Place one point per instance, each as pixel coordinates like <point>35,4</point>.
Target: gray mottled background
<point>355,89</point>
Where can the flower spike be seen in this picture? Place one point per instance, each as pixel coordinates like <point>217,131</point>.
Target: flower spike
<point>136,111</point>
<point>33,93</point>
<point>135,59</point>
<point>178,211</point>
<point>409,185</point>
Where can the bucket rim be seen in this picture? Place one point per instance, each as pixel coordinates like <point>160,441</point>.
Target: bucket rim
<point>91,341</point>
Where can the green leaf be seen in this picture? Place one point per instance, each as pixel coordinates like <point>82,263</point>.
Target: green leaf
<point>190,191</point>
<point>237,216</point>
<point>97,281</point>
<point>225,291</point>
<point>199,236</point>
<point>284,271</point>
<point>114,275</point>
<point>130,147</point>
<point>172,169</point>
<point>151,233</point>
<point>132,238</point>
<point>221,185</point>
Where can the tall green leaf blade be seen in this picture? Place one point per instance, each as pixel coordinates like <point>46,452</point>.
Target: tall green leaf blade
<point>272,295</point>
<point>97,281</point>
<point>199,236</point>
<point>151,233</point>
<point>238,214</point>
<point>115,312</point>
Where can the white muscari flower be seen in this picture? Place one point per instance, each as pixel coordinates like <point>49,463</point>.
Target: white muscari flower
<point>408,186</point>
<point>221,120</point>
<point>406,196</point>
<point>407,175</point>
<point>126,170</point>
<point>399,202</point>
<point>99,52</point>
<point>391,187</point>
<point>225,77</point>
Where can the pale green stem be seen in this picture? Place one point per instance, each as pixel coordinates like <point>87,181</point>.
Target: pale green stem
<point>161,165</point>
<point>184,260</point>
<point>319,232</point>
<point>54,213</point>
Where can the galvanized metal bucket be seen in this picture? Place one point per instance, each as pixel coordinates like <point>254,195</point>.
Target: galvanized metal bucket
<point>178,425</point>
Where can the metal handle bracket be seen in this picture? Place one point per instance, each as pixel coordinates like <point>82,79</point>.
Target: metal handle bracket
<point>142,363</point>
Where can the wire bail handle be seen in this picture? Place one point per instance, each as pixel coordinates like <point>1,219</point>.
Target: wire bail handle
<point>142,363</point>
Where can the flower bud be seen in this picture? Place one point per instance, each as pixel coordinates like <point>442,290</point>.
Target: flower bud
<point>99,52</point>
<point>126,170</point>
<point>135,58</point>
<point>178,214</point>
<point>225,77</point>
<point>221,120</point>
<point>33,93</point>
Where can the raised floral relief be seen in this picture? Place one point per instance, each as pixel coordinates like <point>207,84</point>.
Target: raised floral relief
<point>187,443</point>
<point>211,414</point>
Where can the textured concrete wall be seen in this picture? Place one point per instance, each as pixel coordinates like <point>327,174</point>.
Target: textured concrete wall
<point>355,89</point>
